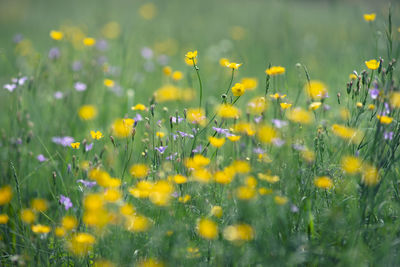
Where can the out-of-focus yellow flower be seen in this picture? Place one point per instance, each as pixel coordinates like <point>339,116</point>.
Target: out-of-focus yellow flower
<point>372,64</point>
<point>269,178</point>
<point>139,170</point>
<point>277,96</point>
<point>371,106</point>
<point>216,142</point>
<point>127,209</point>
<point>150,263</point>
<point>69,222</point>
<point>103,263</point>
<point>359,105</point>
<point>239,233</point>
<point>81,243</point>
<point>28,216</point>
<point>56,35</point>
<point>275,70</point>
<point>370,175</point>
<point>207,229</point>
<point>167,93</point>
<point>93,202</point>
<point>89,41</point>
<point>394,99</point>
<point>139,107</point>
<point>161,193</point>
<point>111,30</point>
<point>323,182</point>
<point>142,189</point>
<point>241,166</point>
<point>160,134</point>
<point>201,175</point>
<point>266,134</point>
<point>245,193</point>
<point>4,218</point>
<point>280,200</point>
<point>228,111</point>
<point>369,17</point>
<point>249,83</point>
<point>217,211</point>
<point>224,62</point>
<point>308,155</point>
<point>264,191</point>
<point>87,112</point>
<point>238,89</point>
<point>299,115</point>
<point>5,194</point>
<point>384,119</point>
<point>122,128</point>
<point>148,11</point>
<point>225,176</point>
<point>197,162</point>
<point>75,145</point>
<point>234,138</point>
<point>196,116</point>
<point>39,204</point>
<point>109,83</point>
<point>177,75</point>
<point>137,223</point>
<point>352,76</point>
<point>285,105</point>
<point>40,229</point>
<point>185,198</point>
<point>351,164</point>
<point>316,90</point>
<point>233,65</point>
<point>245,127</point>
<point>167,70</point>
<point>179,179</point>
<point>353,135</point>
<point>112,195</point>
<point>59,231</point>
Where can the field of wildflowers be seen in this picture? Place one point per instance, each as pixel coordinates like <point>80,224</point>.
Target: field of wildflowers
<point>215,133</point>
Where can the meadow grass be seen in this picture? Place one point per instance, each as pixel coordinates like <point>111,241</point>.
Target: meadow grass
<point>214,133</point>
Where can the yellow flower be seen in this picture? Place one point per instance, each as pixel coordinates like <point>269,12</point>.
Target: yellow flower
<point>314,105</point>
<point>359,105</point>
<point>216,142</point>
<point>344,132</point>
<point>241,166</point>
<point>238,89</point>
<point>27,216</point>
<point>201,175</point>
<point>280,200</point>
<point>191,55</point>
<point>40,229</point>
<point>179,179</point>
<point>5,194</point>
<point>148,11</point>
<point>370,175</point>
<point>112,195</point>
<point>59,231</point>
<point>249,83</point>
<point>56,35</point>
<point>139,107</point>
<point>266,134</point>
<point>137,223</point>
<point>384,119</point>
<point>277,96</point>
<point>184,199</point>
<point>323,182</point>
<point>139,170</point>
<point>238,233</point>
<point>196,116</point>
<point>150,263</point>
<point>217,211</point>
<point>233,65</point>
<point>75,145</point>
<point>308,155</point>
<point>127,209</point>
<point>351,164</point>
<point>4,218</point>
<point>177,75</point>
<point>69,222</point>
<point>264,191</point>
<point>109,83</point>
<point>224,62</point>
<point>161,193</point>
<point>197,162</point>
<point>285,105</point>
<point>369,17</point>
<point>269,178</point>
<point>275,70</point>
<point>167,93</point>
<point>299,115</point>
<point>316,90</point>
<point>111,30</point>
<point>207,229</point>
<point>234,138</point>
<point>228,111</point>
<point>81,243</point>
<point>245,127</point>
<point>160,134</point>
<point>87,112</point>
<point>371,106</point>
<point>96,135</point>
<point>89,41</point>
<point>352,76</point>
<point>395,99</point>
<point>372,64</point>
<point>39,204</point>
<point>245,192</point>
<point>122,128</point>
<point>93,202</point>
<point>167,70</point>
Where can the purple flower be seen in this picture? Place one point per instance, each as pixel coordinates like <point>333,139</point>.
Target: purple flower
<point>258,119</point>
<point>161,149</point>
<point>87,184</point>
<point>41,158</point>
<point>172,156</point>
<point>299,147</point>
<point>138,117</point>
<point>102,45</point>
<point>80,86</point>
<point>69,168</point>
<point>66,201</point>
<point>176,120</point>
<point>163,60</point>
<point>221,130</point>
<point>387,108</point>
<point>279,123</point>
<point>147,53</point>
<point>18,38</point>
<point>278,142</point>
<point>198,149</point>
<point>76,66</point>
<point>19,81</point>
<point>58,95</point>
<point>64,140</point>
<point>183,134</point>
<point>88,147</point>
<point>258,150</point>
<point>374,93</point>
<point>294,209</point>
<point>10,87</point>
<point>388,135</point>
<point>54,53</point>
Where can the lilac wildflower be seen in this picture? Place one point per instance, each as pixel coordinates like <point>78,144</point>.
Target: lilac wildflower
<point>138,117</point>
<point>172,156</point>
<point>79,86</point>
<point>10,87</point>
<point>388,135</point>
<point>198,149</point>
<point>374,93</point>
<point>41,158</point>
<point>258,119</point>
<point>87,184</point>
<point>88,147</point>
<point>58,95</point>
<point>176,120</point>
<point>278,142</point>
<point>163,60</point>
<point>161,149</point>
<point>64,140</point>
<point>54,53</point>
<point>66,201</point>
<point>147,53</point>
<point>279,123</point>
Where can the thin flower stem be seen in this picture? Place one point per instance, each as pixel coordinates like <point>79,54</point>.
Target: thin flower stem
<point>200,83</point>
